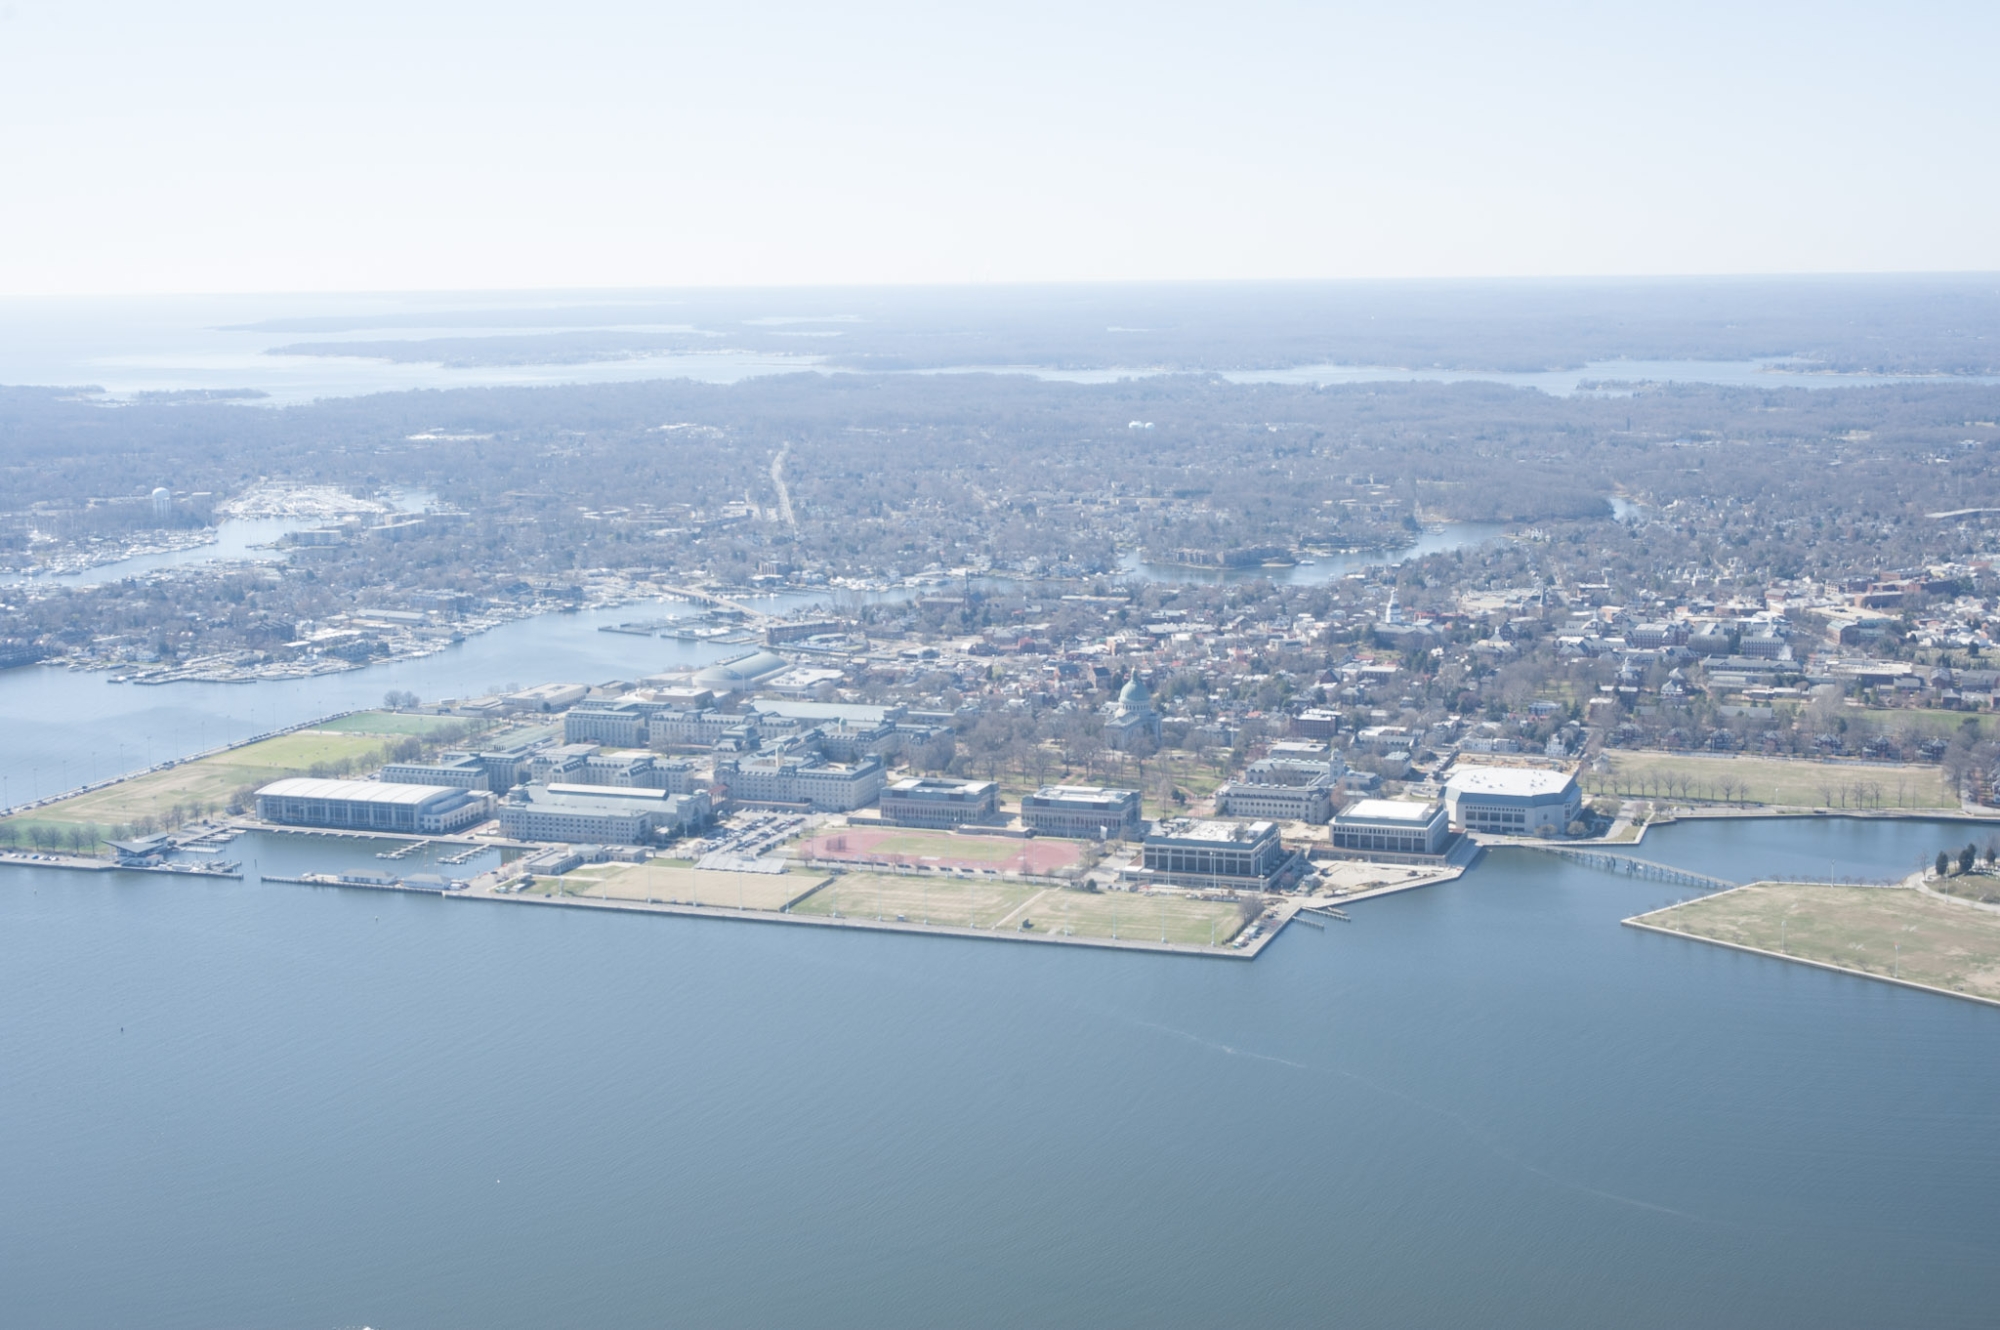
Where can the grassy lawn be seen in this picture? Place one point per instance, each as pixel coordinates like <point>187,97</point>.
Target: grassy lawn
<point>954,901</point>
<point>977,903</point>
<point>1927,721</point>
<point>1134,917</point>
<point>1942,943</point>
<point>680,881</point>
<point>208,782</point>
<point>390,722</point>
<point>1792,782</point>
<point>943,845</point>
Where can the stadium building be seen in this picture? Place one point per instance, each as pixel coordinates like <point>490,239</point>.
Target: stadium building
<point>1512,801</point>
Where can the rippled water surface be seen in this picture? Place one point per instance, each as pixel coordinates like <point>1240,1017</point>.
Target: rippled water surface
<point>1486,1103</point>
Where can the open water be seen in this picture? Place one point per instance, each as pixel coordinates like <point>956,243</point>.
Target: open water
<point>132,346</point>
<point>226,1104</point>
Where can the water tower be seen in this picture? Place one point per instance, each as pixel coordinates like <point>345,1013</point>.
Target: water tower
<point>163,502</point>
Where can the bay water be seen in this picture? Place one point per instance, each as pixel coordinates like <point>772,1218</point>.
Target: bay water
<point>241,1104</point>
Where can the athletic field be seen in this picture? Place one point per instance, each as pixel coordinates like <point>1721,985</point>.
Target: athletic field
<point>1784,782</point>
<point>906,847</point>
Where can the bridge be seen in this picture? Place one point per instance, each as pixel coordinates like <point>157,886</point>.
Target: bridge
<point>710,598</point>
<point>1633,866</point>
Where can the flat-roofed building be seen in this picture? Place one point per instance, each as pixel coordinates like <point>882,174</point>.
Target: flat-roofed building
<point>463,771</point>
<point>1311,802</point>
<point>848,741</point>
<point>1086,812</point>
<point>932,801</point>
<point>802,780</point>
<point>817,713</point>
<point>600,815</point>
<point>1512,801</point>
<point>1378,828</point>
<point>367,805</point>
<point>692,727</point>
<point>1209,852</point>
<point>637,771</point>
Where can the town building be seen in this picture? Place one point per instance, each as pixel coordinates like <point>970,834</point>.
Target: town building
<point>507,767</point>
<point>1316,723</point>
<point>1209,852</point>
<point>559,764</point>
<point>1512,801</point>
<point>1312,802</point>
<point>464,771</point>
<point>1391,829</point>
<point>625,723</point>
<point>801,780</point>
<point>1082,812</point>
<point>599,815</point>
<point>692,727</point>
<point>1132,717</point>
<point>931,801</point>
<point>861,714</point>
<point>546,697</point>
<point>367,805</point>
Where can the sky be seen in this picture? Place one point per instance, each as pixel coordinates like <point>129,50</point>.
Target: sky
<point>201,146</point>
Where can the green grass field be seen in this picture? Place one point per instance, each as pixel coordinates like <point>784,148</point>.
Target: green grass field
<point>1871,930</point>
<point>679,881</point>
<point>1784,782</point>
<point>954,901</point>
<point>390,722</point>
<point>206,783</point>
<point>944,845</point>
<point>1134,917</point>
<point>1002,905</point>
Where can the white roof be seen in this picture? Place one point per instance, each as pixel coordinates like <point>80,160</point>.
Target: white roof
<point>1522,782</point>
<point>1083,793</point>
<point>1389,810</point>
<point>1213,830</point>
<point>363,791</point>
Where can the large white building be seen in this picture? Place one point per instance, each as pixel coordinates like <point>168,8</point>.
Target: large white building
<point>1211,853</point>
<point>1512,801</point>
<point>1380,828</point>
<point>370,805</point>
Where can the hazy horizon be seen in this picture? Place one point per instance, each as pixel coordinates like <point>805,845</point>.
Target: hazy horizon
<point>228,147</point>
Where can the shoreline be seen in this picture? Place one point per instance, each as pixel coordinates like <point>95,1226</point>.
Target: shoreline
<point>1638,921</point>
